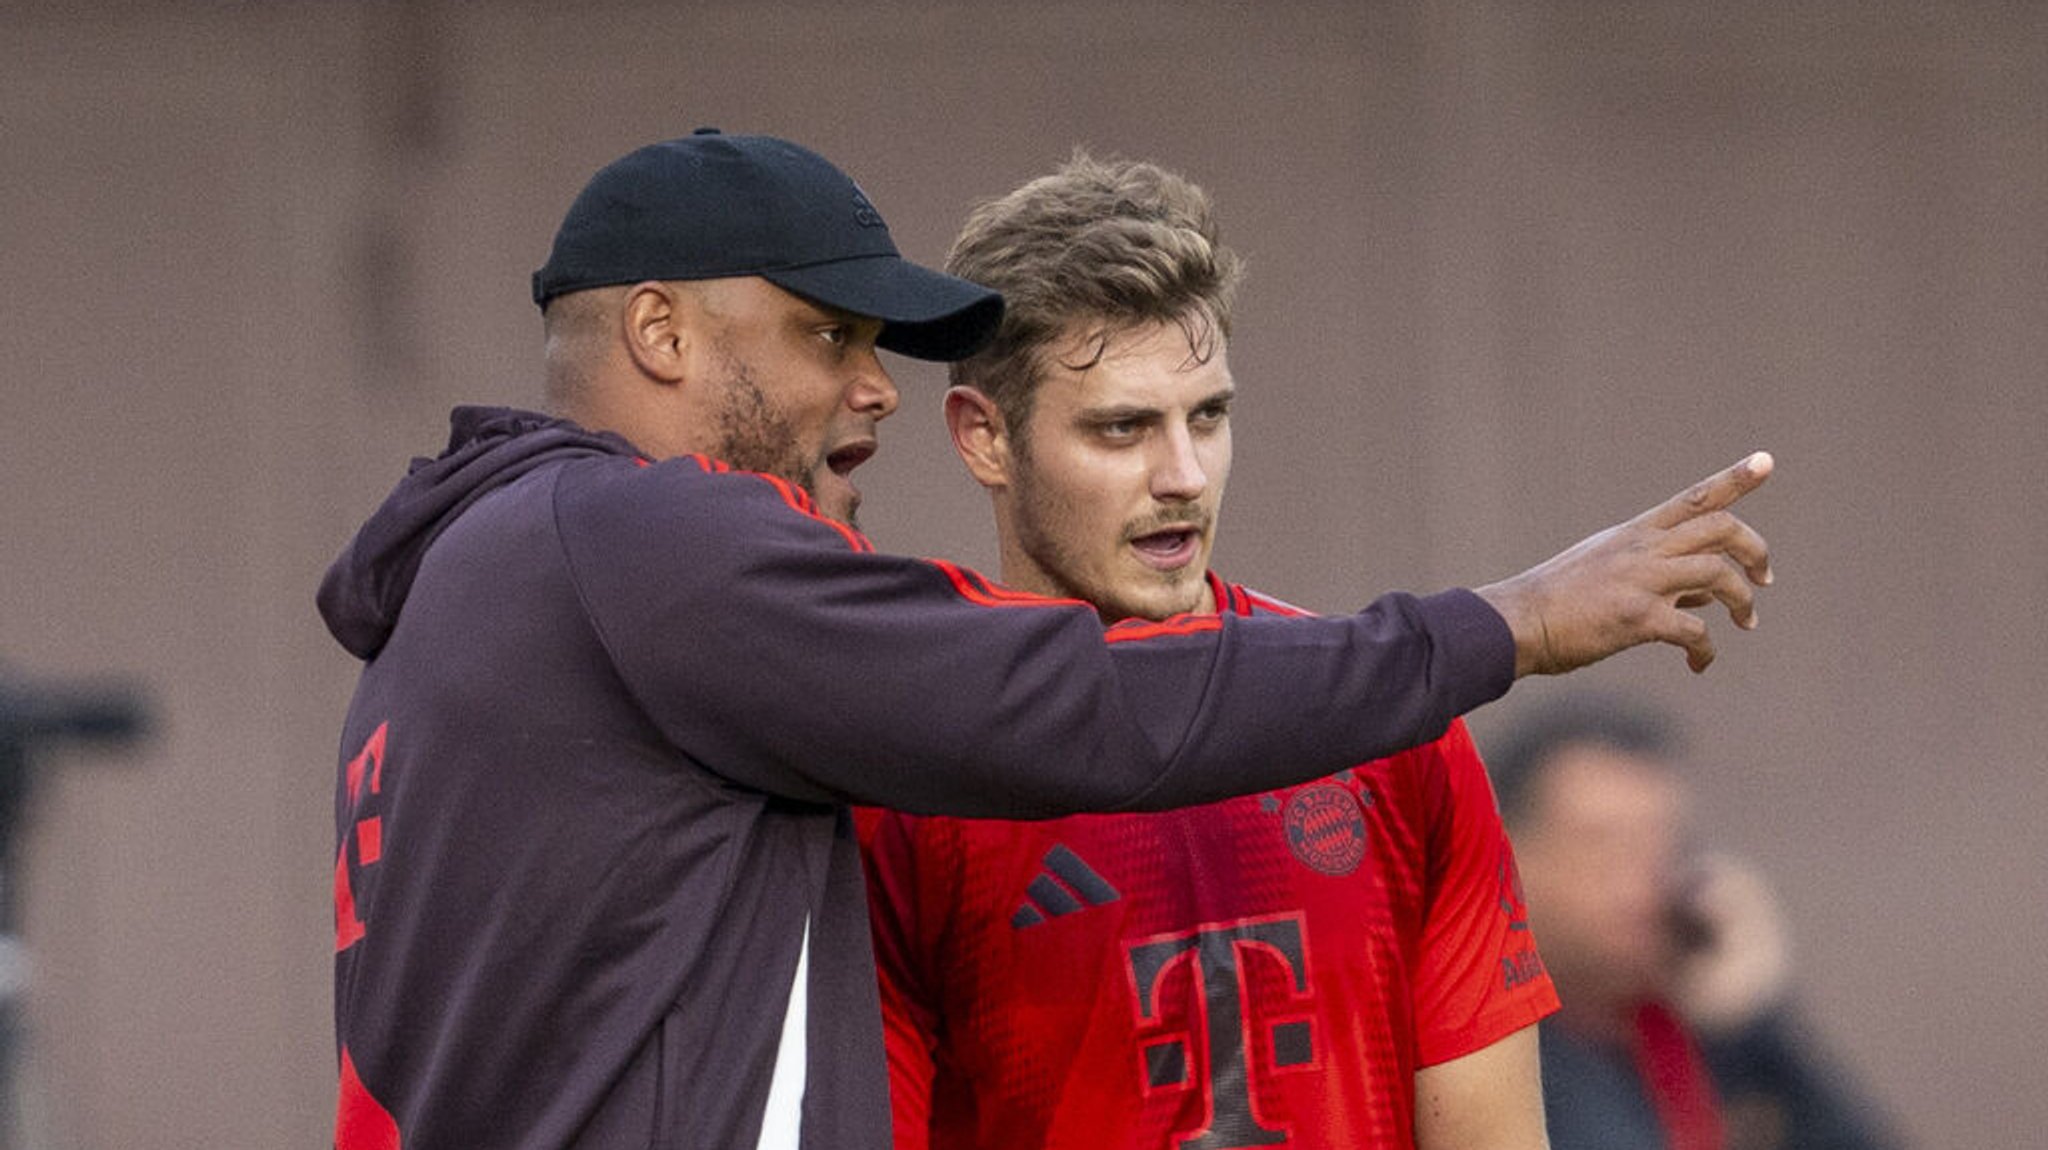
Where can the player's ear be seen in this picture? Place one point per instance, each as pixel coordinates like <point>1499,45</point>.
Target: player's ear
<point>656,324</point>
<point>979,435</point>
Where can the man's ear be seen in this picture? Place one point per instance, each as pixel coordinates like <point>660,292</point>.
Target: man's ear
<point>979,436</point>
<point>657,331</point>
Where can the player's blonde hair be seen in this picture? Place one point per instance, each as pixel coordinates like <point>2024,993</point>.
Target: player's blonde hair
<point>1110,244</point>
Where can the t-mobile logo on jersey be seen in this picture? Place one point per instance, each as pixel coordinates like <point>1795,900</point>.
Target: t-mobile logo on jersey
<point>1220,961</point>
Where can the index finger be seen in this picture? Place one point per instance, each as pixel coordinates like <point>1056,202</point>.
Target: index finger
<point>1712,493</point>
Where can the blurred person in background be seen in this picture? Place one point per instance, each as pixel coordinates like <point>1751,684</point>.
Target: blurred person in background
<point>1677,1030</point>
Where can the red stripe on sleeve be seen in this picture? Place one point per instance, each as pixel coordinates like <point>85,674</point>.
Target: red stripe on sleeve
<point>1134,629</point>
<point>979,589</point>
<point>798,499</point>
<point>1275,606</point>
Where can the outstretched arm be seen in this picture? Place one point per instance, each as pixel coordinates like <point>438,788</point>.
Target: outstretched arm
<point>1635,582</point>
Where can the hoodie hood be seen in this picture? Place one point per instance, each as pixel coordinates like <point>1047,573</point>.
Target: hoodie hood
<point>488,447</point>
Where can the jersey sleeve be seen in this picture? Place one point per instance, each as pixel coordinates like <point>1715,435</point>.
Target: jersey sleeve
<point>779,651</point>
<point>908,876</point>
<point>1480,976</point>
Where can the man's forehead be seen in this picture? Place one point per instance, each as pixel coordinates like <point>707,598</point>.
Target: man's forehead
<point>1158,372</point>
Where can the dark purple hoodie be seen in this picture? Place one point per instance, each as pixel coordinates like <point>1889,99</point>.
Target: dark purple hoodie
<point>596,883</point>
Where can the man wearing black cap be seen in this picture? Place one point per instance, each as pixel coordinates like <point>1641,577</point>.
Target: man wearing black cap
<point>596,883</point>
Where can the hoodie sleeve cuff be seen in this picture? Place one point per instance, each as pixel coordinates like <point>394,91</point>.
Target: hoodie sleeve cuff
<point>1475,650</point>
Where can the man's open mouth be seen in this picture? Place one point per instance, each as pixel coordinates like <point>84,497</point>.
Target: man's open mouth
<point>1173,545</point>
<point>845,459</point>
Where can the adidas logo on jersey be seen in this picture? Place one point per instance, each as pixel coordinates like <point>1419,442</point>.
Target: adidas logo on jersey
<point>1065,885</point>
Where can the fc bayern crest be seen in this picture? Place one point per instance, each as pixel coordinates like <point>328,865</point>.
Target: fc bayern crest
<point>1325,829</point>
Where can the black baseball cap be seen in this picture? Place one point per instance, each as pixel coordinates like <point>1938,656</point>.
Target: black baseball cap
<point>710,205</point>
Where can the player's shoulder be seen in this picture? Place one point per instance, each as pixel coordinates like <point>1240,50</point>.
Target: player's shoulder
<point>697,496</point>
<point>639,482</point>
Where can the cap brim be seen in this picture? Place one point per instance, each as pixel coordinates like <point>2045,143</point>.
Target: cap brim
<point>926,314</point>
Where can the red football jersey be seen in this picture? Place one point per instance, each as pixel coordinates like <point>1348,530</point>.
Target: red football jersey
<point>1265,971</point>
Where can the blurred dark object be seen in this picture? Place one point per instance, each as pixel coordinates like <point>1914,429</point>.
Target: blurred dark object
<point>33,712</point>
<point>36,717</point>
<point>40,716</point>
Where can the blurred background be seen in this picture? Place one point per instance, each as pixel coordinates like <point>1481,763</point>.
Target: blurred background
<point>1518,269</point>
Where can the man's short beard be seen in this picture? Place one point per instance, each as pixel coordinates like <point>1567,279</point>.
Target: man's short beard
<point>754,433</point>
<point>1047,552</point>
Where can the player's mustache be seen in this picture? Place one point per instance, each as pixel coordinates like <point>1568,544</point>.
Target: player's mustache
<point>1172,518</point>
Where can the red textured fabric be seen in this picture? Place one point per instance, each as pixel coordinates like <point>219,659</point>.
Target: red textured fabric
<point>1269,970</point>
